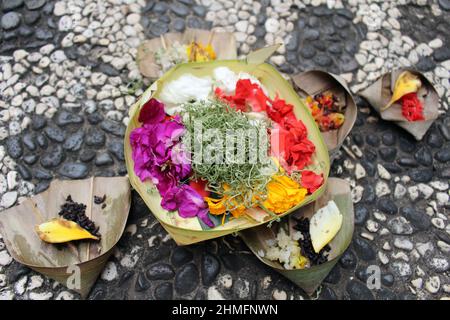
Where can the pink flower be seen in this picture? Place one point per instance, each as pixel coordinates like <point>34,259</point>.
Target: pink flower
<point>188,202</point>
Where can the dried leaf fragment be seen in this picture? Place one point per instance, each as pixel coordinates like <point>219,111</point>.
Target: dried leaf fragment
<point>61,231</point>
<point>406,82</point>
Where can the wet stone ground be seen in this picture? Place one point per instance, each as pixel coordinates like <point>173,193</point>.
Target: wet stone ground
<point>68,78</point>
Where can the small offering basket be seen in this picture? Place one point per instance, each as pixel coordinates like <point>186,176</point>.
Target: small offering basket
<point>310,278</point>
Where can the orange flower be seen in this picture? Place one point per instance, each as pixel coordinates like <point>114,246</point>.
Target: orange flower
<point>283,193</point>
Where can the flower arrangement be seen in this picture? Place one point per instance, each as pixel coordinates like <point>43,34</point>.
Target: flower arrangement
<point>164,150</point>
<point>220,146</point>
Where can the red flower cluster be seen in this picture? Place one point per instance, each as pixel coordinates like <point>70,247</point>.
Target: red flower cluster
<point>289,141</point>
<point>412,108</point>
<point>290,138</point>
<point>248,97</point>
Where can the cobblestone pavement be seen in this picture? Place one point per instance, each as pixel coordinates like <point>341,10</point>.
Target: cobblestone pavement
<point>68,77</point>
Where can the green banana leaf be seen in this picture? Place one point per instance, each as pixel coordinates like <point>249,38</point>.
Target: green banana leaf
<point>189,230</point>
<point>309,279</point>
<point>78,264</point>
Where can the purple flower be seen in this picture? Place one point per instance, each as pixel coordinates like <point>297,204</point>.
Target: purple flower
<point>188,202</point>
<point>159,155</point>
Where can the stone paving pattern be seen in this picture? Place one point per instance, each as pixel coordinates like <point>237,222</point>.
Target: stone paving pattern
<point>68,77</point>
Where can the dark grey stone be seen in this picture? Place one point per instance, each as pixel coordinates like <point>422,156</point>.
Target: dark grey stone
<point>41,186</point>
<point>181,256</point>
<point>74,170</point>
<point>443,155</point>
<point>386,205</point>
<point>95,137</point>
<point>95,118</point>
<point>10,20</point>
<point>74,141</point>
<point>65,118</point>
<point>421,175</point>
<point>307,51</point>
<point>388,138</point>
<point>358,291</point>
<point>334,276</point>
<point>293,43</point>
<point>142,284</point>
<point>364,249</point>
<point>419,220</point>
<point>387,153</point>
<point>158,29</point>
<point>42,141</point>
<point>44,34</point>
<point>28,141</point>
<point>442,54</point>
<point>34,4</point>
<point>24,171</point>
<point>11,4</point>
<point>160,271</point>
<point>445,4</point>
<point>386,294</point>
<point>161,7</point>
<point>186,279</point>
<point>55,134</point>
<point>113,127</point>
<point>311,34</point>
<point>87,155</point>
<point>199,10</point>
<point>348,260</point>
<point>361,215</point>
<point>210,268</point>
<point>116,148</point>
<point>42,174</point>
<point>14,147</point>
<point>30,159</point>
<point>31,17</point>
<point>53,157</point>
<point>25,31</point>
<point>103,159</point>
<point>164,291</point>
<point>179,24</point>
<point>423,156</point>
<point>108,69</point>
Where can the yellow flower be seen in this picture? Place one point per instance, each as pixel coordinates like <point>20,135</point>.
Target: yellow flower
<point>224,204</point>
<point>197,52</point>
<point>283,193</point>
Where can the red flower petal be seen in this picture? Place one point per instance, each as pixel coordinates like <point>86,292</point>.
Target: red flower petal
<point>311,181</point>
<point>152,112</point>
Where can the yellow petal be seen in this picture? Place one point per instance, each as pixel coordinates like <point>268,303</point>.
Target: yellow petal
<point>324,225</point>
<point>62,230</point>
<point>406,83</point>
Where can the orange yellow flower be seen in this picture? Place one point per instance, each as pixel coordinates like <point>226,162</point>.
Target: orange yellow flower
<point>283,193</point>
<point>197,52</point>
<point>224,204</point>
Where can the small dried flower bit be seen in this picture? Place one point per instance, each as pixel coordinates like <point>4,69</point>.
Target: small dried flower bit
<point>325,110</point>
<point>76,212</point>
<point>412,108</point>
<point>99,200</point>
<point>62,231</point>
<point>406,82</point>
